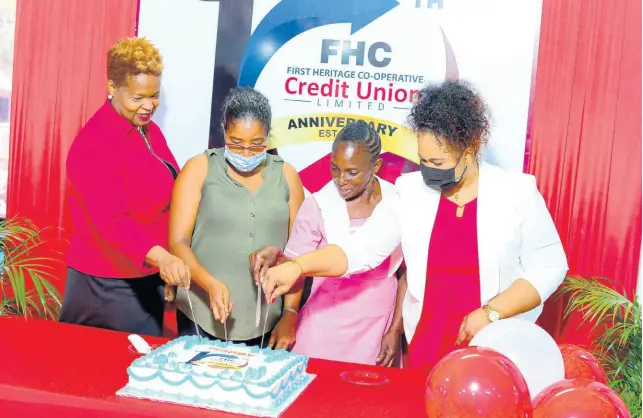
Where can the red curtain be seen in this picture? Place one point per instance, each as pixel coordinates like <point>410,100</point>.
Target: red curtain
<point>59,80</point>
<point>586,147</point>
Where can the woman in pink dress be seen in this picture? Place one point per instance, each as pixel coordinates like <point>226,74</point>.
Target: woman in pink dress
<point>347,320</point>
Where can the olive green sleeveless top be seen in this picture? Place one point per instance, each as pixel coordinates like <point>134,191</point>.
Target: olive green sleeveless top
<point>231,223</point>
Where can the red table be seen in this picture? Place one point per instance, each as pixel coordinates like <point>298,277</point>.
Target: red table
<point>48,369</point>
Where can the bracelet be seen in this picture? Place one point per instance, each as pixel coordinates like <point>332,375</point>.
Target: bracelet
<point>301,268</point>
<point>291,310</point>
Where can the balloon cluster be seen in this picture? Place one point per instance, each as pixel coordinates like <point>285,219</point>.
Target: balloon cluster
<point>514,369</point>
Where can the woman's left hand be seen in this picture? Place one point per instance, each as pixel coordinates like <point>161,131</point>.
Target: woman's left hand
<point>283,335</point>
<point>388,349</point>
<point>169,292</point>
<point>471,325</point>
<point>262,259</point>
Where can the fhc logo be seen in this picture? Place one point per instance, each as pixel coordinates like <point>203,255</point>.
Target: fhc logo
<point>331,47</point>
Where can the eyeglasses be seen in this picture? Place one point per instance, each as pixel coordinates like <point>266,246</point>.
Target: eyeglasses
<point>253,149</point>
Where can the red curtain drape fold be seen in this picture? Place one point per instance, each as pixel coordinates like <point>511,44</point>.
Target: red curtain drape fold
<point>59,80</point>
<point>586,147</point>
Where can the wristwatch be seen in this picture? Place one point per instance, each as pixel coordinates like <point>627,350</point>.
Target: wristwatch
<point>492,314</point>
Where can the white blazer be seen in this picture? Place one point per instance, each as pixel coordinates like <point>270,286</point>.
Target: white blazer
<point>517,238</point>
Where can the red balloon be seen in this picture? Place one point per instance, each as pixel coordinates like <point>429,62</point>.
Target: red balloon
<point>580,363</point>
<point>477,382</point>
<point>579,398</point>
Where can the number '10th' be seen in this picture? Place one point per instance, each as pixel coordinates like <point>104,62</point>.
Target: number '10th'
<point>428,4</point>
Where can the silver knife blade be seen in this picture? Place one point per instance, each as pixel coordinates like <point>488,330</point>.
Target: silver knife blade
<point>265,321</point>
<point>258,311</point>
<point>196,326</point>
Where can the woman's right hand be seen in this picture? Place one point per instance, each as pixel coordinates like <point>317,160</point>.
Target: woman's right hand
<point>280,279</point>
<point>173,270</point>
<point>264,258</point>
<point>219,300</point>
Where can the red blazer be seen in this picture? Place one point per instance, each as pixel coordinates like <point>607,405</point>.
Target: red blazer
<point>120,196</point>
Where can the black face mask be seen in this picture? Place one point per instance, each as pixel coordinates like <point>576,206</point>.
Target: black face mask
<point>444,179</point>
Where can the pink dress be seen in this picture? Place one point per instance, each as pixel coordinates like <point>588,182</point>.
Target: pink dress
<point>452,285</point>
<point>344,319</point>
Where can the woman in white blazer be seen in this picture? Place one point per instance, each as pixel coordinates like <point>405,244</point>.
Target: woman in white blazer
<point>478,241</point>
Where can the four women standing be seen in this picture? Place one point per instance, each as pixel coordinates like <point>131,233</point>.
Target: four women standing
<point>478,241</point>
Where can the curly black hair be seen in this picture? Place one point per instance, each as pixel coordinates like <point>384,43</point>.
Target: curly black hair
<point>361,132</point>
<point>454,113</point>
<point>243,103</point>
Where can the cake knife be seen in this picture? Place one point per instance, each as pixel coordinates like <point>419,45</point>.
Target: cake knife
<point>265,320</point>
<point>196,326</point>
<point>258,311</point>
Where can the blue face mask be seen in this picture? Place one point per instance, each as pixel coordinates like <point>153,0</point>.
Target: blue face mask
<point>244,164</point>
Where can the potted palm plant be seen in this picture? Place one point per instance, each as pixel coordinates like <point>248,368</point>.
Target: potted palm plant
<point>27,271</point>
<point>617,324</point>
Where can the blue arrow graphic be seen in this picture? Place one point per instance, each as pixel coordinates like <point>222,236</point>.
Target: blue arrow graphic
<point>290,18</point>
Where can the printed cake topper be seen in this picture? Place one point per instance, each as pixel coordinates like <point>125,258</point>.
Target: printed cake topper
<point>218,360</point>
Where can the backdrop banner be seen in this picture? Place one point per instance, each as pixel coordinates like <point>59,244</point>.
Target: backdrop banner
<point>325,64</point>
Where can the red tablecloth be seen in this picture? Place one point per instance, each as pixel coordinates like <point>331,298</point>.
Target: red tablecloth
<point>49,369</point>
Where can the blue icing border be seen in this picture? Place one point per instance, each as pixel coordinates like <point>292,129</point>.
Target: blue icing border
<point>274,394</point>
<point>274,409</point>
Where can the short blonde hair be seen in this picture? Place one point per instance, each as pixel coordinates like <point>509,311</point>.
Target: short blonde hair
<point>133,56</point>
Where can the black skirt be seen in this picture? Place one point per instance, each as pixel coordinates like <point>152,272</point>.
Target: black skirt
<point>129,305</point>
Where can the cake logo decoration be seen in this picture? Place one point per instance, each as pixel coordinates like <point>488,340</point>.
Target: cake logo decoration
<point>218,360</point>
<point>209,349</point>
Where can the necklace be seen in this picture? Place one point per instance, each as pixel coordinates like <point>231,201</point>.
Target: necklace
<point>459,212</point>
<point>149,147</point>
<point>147,142</point>
<point>456,198</point>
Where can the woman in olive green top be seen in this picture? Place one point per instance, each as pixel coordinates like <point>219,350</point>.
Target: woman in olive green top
<point>228,203</point>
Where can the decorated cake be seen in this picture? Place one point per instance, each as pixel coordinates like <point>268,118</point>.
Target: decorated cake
<point>219,375</point>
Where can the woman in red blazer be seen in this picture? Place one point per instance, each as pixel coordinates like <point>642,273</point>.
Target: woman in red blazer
<point>122,173</point>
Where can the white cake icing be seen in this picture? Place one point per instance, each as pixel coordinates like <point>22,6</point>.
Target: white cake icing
<point>213,374</point>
